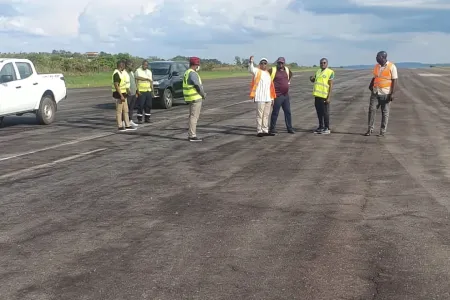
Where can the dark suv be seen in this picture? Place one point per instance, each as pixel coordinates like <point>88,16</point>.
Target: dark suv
<point>168,82</point>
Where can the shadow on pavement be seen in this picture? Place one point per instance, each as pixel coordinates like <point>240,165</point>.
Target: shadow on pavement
<point>10,121</point>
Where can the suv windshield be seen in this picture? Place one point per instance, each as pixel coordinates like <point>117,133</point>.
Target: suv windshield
<point>159,68</point>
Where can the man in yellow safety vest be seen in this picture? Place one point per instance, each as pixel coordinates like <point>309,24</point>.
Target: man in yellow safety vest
<point>194,95</point>
<point>144,80</point>
<point>120,87</point>
<point>323,83</point>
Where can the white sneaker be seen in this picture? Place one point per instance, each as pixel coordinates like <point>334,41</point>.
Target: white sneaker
<point>133,124</point>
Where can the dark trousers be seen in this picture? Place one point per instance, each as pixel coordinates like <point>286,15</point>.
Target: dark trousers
<point>131,104</point>
<point>284,102</point>
<point>144,104</point>
<point>323,112</point>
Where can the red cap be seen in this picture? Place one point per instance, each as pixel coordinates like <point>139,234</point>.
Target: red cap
<point>194,61</point>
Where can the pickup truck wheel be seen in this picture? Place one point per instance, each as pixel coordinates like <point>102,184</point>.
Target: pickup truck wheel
<point>46,113</point>
<point>167,98</point>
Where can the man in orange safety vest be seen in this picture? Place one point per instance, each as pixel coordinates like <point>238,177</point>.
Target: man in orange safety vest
<point>263,93</point>
<point>382,87</point>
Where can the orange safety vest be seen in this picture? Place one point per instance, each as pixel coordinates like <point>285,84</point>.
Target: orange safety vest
<point>383,80</point>
<point>254,85</point>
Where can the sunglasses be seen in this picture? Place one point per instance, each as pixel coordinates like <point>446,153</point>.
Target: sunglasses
<point>263,63</point>
<point>323,62</point>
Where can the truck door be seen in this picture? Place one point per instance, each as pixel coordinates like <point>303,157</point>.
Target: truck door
<point>178,80</point>
<point>30,88</point>
<point>10,90</point>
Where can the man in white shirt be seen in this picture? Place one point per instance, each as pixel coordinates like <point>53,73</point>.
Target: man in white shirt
<point>263,93</point>
<point>382,87</point>
<point>144,82</point>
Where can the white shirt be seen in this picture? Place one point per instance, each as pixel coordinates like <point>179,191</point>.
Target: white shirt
<point>385,91</point>
<point>262,93</point>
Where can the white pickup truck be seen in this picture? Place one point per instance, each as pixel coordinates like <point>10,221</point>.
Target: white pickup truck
<point>22,90</point>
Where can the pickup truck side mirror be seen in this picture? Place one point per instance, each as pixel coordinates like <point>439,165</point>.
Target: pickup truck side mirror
<point>6,78</point>
<point>175,73</point>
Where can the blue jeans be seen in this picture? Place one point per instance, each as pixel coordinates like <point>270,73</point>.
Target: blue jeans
<point>284,102</point>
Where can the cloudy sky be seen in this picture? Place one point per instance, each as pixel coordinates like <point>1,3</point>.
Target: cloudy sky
<point>344,31</point>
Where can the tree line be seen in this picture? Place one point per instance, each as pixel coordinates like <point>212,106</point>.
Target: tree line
<point>61,61</point>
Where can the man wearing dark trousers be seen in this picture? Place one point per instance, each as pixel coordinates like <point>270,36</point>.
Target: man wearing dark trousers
<point>281,77</point>
<point>144,80</point>
<point>323,83</point>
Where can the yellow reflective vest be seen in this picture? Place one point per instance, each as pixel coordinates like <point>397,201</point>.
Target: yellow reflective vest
<point>321,87</point>
<point>189,92</point>
<point>274,71</point>
<point>142,86</point>
<point>124,81</point>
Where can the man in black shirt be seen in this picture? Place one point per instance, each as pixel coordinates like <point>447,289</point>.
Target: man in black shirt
<point>120,88</point>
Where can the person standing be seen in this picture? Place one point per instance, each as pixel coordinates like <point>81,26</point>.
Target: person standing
<point>144,81</point>
<point>131,93</point>
<point>194,95</point>
<point>382,87</point>
<point>323,84</point>
<point>281,76</point>
<point>263,93</point>
<point>120,81</point>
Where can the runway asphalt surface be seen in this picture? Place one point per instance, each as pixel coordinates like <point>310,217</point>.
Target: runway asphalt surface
<point>88,213</point>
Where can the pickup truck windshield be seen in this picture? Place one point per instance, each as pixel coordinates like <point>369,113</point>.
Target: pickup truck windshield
<point>159,68</point>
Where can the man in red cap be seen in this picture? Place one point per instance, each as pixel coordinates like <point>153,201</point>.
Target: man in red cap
<point>281,76</point>
<point>194,95</point>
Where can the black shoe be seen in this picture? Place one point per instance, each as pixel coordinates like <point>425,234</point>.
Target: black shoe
<point>318,130</point>
<point>130,128</point>
<point>195,139</point>
<point>382,133</point>
<point>121,129</point>
<point>139,120</point>
<point>369,132</point>
<point>147,120</point>
<point>260,134</point>
<point>291,131</point>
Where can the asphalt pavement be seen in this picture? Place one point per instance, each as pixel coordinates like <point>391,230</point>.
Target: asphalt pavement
<point>89,213</point>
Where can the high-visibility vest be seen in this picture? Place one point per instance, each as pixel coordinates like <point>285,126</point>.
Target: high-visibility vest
<point>321,87</point>
<point>254,86</point>
<point>123,82</point>
<point>142,86</point>
<point>382,79</point>
<point>126,77</point>
<point>274,71</point>
<point>189,92</point>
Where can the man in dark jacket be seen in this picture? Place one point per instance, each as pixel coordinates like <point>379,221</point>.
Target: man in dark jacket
<point>281,76</point>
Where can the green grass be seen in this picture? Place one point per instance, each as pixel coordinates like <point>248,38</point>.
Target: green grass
<point>104,79</point>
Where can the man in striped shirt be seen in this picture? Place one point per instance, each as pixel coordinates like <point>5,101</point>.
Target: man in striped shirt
<point>263,93</point>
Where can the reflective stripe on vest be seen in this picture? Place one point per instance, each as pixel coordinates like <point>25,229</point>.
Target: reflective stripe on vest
<point>254,86</point>
<point>123,83</point>
<point>189,92</point>
<point>274,71</point>
<point>126,77</point>
<point>321,87</point>
<point>383,79</point>
<point>143,86</point>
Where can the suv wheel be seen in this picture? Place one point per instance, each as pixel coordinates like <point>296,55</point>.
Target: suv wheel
<point>167,98</point>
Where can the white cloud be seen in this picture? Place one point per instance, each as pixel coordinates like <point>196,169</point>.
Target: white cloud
<point>214,29</point>
<point>418,4</point>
